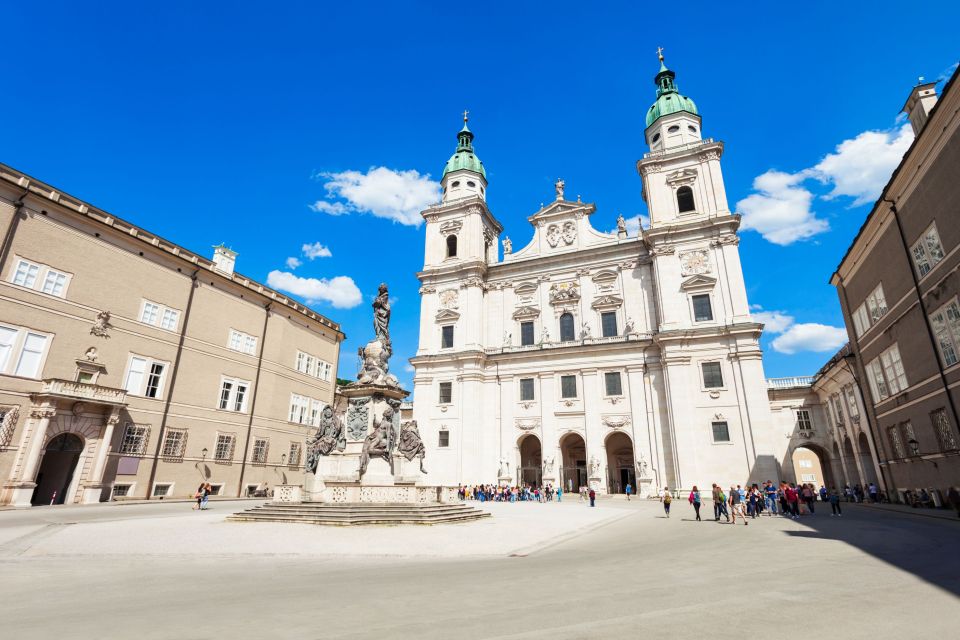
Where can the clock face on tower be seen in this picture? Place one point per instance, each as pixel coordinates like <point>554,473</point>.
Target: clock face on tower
<point>694,262</point>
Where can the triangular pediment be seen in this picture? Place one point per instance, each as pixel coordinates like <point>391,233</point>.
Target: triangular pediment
<point>698,282</point>
<point>562,208</point>
<point>526,312</point>
<point>607,301</point>
<point>446,315</point>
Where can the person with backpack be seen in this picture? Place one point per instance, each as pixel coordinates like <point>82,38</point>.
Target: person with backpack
<point>719,504</point>
<point>694,499</point>
<point>666,498</point>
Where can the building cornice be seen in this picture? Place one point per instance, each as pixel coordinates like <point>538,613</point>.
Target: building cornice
<point>46,195</point>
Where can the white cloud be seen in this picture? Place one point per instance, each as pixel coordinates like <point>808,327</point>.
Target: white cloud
<point>810,336</point>
<point>409,368</point>
<point>396,195</point>
<point>633,224</point>
<point>330,208</point>
<point>316,250</point>
<point>293,263</point>
<point>860,167</point>
<point>340,291</point>
<point>780,211</point>
<point>773,321</point>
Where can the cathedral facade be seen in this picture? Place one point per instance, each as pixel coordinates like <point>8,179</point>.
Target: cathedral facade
<point>588,358</point>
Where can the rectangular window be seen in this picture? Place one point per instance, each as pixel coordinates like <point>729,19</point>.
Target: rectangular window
<point>946,327</point>
<point>568,386</point>
<point>174,444</point>
<point>909,437</point>
<point>852,407</point>
<point>154,380</point>
<point>611,382</point>
<point>861,321</point>
<point>233,394</point>
<point>837,408</point>
<point>941,425</point>
<point>526,333</point>
<point>886,375</point>
<point>135,375</point>
<point>170,319</point>
<point>876,304</point>
<point>8,338</point>
<point>28,365</point>
<point>702,309</point>
<point>444,439</point>
<point>150,313</point>
<point>54,283</point>
<point>447,341</point>
<point>162,490</point>
<point>296,453</point>
<point>299,406</point>
<point>803,420</point>
<point>242,342</point>
<point>224,448</point>
<point>121,490</point>
<point>721,432</point>
<point>608,324</point>
<point>927,251</point>
<point>526,389</point>
<point>260,448</point>
<point>135,438</point>
<point>26,274</point>
<point>806,464</point>
<point>808,477</point>
<point>446,392</point>
<point>712,375</point>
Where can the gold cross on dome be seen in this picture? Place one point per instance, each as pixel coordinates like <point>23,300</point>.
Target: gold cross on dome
<point>465,114</point>
<point>660,53</point>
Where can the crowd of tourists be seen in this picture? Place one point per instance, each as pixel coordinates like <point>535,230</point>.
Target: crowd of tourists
<point>786,499</point>
<point>496,493</point>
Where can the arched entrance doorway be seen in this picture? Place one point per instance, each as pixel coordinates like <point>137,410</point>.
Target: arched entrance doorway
<point>620,467</point>
<point>573,450</point>
<point>811,465</point>
<point>866,460</point>
<point>530,470</point>
<point>57,468</point>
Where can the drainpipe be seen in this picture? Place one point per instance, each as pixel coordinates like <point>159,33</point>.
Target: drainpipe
<point>923,312</point>
<point>173,382</point>
<point>253,401</point>
<point>12,227</point>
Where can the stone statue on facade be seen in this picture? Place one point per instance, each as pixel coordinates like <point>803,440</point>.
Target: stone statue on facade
<point>545,336</point>
<point>594,467</point>
<point>329,436</point>
<point>559,185</point>
<point>410,445</point>
<point>504,468</point>
<point>621,225</point>
<point>507,338</point>
<point>585,331</point>
<point>380,442</point>
<point>548,463</point>
<point>507,246</point>
<point>381,315</point>
<point>101,325</point>
<point>642,467</point>
<point>629,328</point>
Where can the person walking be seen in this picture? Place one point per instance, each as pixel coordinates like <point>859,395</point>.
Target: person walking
<point>593,497</point>
<point>736,506</point>
<point>198,495</point>
<point>694,499</point>
<point>628,491</point>
<point>719,504</point>
<point>808,497</point>
<point>770,496</point>
<point>873,490</point>
<point>666,498</point>
<point>835,509</point>
<point>793,499</point>
<point>207,490</point>
<point>559,493</point>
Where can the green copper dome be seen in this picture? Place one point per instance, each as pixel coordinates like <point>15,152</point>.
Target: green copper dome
<point>464,158</point>
<point>669,99</point>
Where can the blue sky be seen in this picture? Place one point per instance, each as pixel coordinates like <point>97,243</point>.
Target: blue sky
<point>210,122</point>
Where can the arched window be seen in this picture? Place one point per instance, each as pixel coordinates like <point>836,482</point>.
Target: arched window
<point>451,246</point>
<point>685,199</point>
<point>566,328</point>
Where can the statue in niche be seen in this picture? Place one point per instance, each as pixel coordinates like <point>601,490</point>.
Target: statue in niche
<point>628,327</point>
<point>380,442</point>
<point>411,445</point>
<point>507,246</point>
<point>329,436</point>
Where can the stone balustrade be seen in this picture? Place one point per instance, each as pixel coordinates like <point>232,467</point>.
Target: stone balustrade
<point>83,391</point>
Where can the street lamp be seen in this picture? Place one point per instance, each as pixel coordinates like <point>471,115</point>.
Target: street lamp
<point>914,446</point>
<point>204,453</point>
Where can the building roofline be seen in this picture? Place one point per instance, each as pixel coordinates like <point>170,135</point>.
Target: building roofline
<point>45,191</point>
<point>896,172</point>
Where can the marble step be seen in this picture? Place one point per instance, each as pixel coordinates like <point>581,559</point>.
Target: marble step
<point>348,514</point>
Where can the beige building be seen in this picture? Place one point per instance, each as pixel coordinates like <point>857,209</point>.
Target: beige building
<point>131,367</point>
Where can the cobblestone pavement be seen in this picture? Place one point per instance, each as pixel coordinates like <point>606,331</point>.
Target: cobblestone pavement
<point>532,571</point>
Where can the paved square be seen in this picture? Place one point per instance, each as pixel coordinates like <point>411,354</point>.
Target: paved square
<point>531,571</point>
